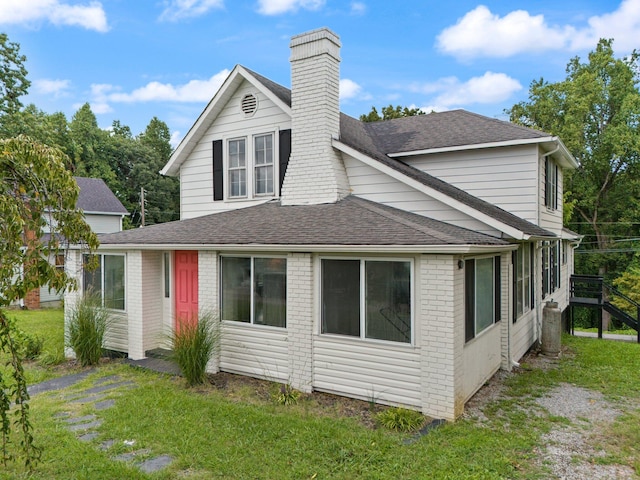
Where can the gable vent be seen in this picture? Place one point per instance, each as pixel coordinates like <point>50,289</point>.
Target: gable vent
<point>249,104</point>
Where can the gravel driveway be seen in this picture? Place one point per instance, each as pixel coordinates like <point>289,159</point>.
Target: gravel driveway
<point>569,448</point>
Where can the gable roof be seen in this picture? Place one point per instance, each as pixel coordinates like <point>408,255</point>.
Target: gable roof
<point>385,140</point>
<point>280,95</point>
<point>96,197</point>
<point>354,134</point>
<point>350,222</point>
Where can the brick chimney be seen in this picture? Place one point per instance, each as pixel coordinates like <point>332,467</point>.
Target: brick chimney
<point>315,173</point>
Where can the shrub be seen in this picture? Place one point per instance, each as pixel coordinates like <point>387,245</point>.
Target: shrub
<point>194,341</point>
<point>400,419</point>
<point>286,395</point>
<point>85,331</point>
<point>30,346</point>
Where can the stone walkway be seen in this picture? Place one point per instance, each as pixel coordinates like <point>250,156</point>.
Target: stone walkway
<point>607,336</point>
<point>99,397</point>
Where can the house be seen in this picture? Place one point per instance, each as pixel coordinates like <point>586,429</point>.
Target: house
<point>404,261</point>
<point>102,211</point>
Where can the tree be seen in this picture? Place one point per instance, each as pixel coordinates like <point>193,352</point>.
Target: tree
<point>163,193</point>
<point>390,112</point>
<point>36,192</point>
<point>13,76</point>
<point>596,112</point>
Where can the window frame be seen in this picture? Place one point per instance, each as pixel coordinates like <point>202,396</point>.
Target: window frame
<point>551,267</point>
<point>251,166</point>
<point>471,316</point>
<point>362,300</point>
<point>237,169</point>
<point>252,293</point>
<point>523,259</point>
<point>551,184</point>
<point>101,267</point>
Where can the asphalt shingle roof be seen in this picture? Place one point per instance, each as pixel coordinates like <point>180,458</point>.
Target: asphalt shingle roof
<point>355,134</point>
<point>351,221</point>
<point>95,196</point>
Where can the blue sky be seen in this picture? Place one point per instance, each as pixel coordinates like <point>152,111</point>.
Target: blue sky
<point>136,59</point>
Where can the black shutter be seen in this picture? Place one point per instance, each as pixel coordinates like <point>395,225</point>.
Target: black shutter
<point>469,299</point>
<point>284,147</point>
<point>218,172</point>
<point>514,284</point>
<point>497,289</point>
<point>533,273</point>
<point>547,174</point>
<point>555,186</point>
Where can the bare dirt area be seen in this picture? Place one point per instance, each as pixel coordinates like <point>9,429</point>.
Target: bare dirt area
<point>569,449</point>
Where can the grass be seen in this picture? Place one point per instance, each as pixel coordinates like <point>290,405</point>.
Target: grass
<point>211,433</point>
<point>621,331</point>
<point>47,324</point>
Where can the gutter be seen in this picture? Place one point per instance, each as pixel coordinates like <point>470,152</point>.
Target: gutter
<point>384,249</point>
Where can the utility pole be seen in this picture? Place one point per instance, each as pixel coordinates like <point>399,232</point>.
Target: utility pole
<point>142,206</point>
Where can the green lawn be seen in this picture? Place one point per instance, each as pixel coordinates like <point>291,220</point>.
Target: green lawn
<point>211,433</point>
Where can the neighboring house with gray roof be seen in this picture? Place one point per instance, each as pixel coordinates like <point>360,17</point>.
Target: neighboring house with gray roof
<point>102,211</point>
<point>406,260</point>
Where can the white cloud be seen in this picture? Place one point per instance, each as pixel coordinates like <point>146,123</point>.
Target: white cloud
<point>180,9</point>
<point>358,8</point>
<point>276,7</point>
<point>193,91</point>
<point>90,16</point>
<point>622,24</point>
<point>349,89</point>
<point>50,87</point>
<point>481,33</point>
<point>451,92</point>
<point>176,138</point>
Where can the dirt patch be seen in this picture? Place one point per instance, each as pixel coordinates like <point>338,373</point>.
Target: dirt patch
<point>248,389</point>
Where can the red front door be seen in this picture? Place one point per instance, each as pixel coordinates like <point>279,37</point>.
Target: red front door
<point>186,285</point>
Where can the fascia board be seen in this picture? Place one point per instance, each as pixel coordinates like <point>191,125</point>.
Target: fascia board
<point>457,148</point>
<point>211,111</point>
<point>567,160</point>
<point>400,249</point>
<point>473,213</point>
<point>268,93</point>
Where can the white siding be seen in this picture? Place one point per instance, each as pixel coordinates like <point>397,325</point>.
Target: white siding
<point>196,174</point>
<point>116,335</point>
<point>254,350</point>
<point>385,374</point>
<point>152,295</point>
<point>549,219</point>
<point>371,184</point>
<point>47,296</point>
<point>505,176</point>
<point>482,358</point>
<point>524,333</point>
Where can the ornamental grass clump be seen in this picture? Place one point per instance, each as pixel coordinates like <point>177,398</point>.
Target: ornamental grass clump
<point>400,419</point>
<point>194,342</point>
<point>86,329</point>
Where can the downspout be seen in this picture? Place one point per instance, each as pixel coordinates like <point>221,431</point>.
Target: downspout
<point>539,248</point>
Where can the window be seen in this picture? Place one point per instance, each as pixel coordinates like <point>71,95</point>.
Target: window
<point>550,267</point>
<point>551,184</point>
<point>237,168</point>
<point>367,299</point>
<point>256,167</point>
<point>251,166</point>
<point>60,262</point>
<point>263,164</point>
<point>107,280</point>
<point>254,290</point>
<point>522,279</point>
<point>482,294</point>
